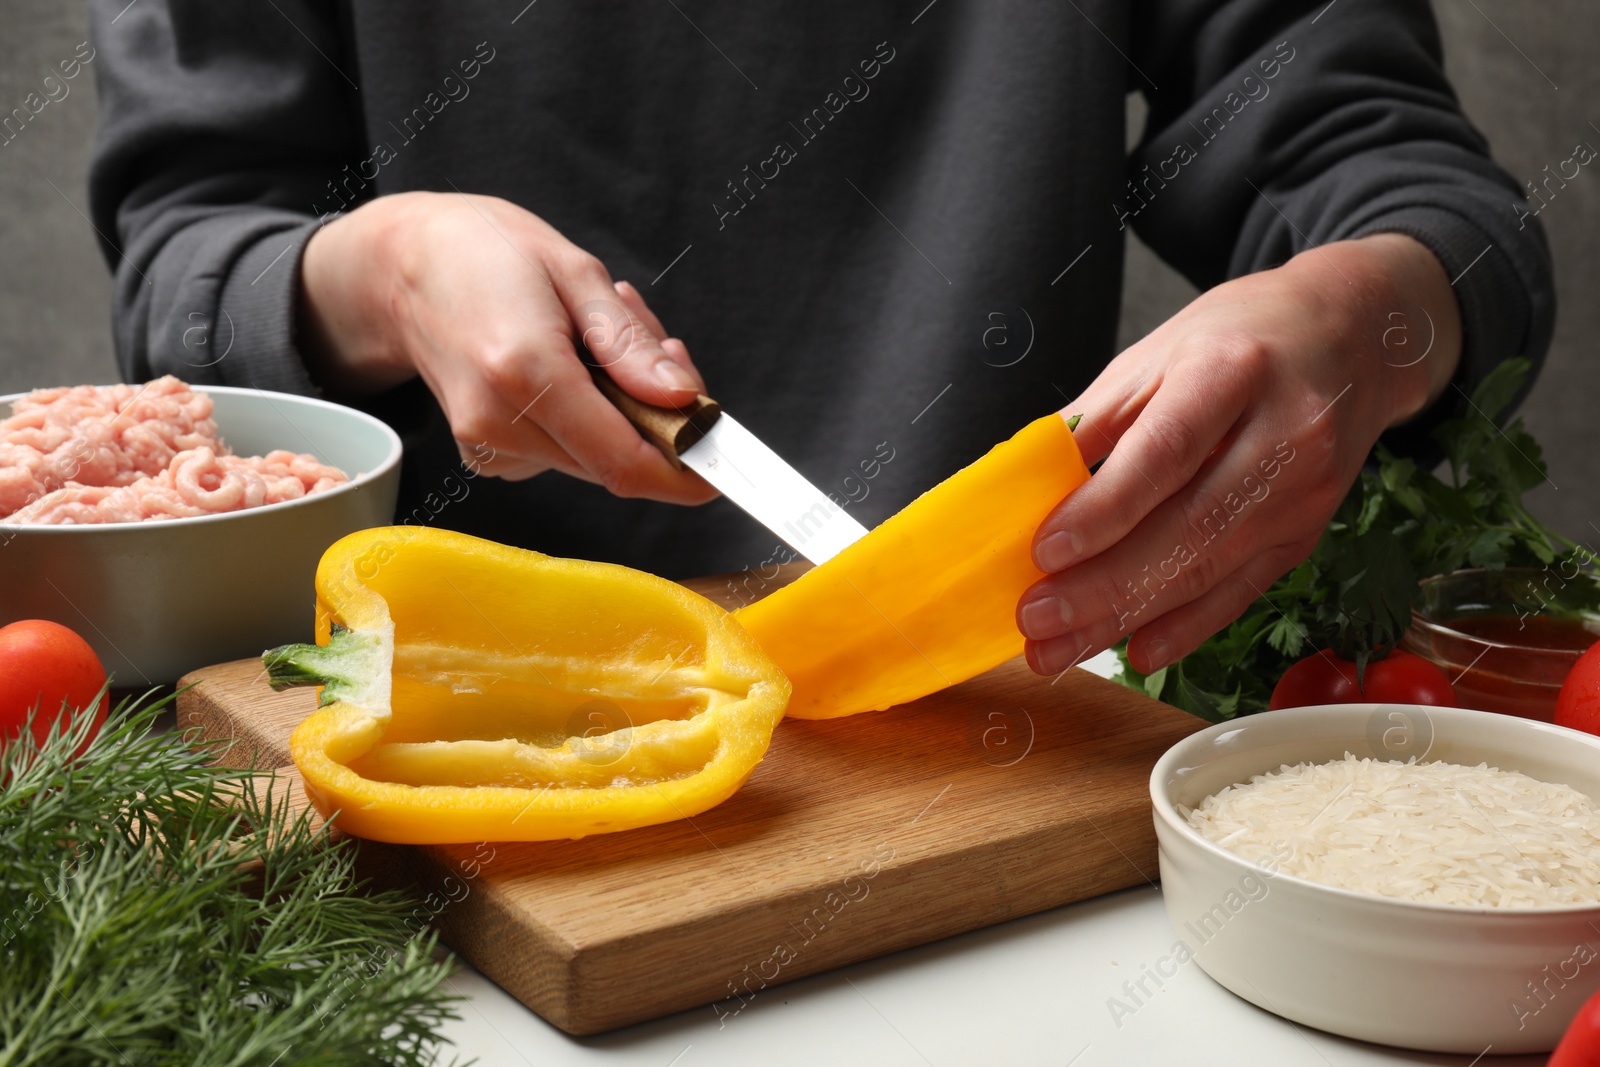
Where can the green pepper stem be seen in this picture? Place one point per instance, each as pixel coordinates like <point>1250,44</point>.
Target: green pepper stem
<point>343,666</point>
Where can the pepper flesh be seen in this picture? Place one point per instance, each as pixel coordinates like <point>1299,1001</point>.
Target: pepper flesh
<point>474,692</point>
<point>927,599</point>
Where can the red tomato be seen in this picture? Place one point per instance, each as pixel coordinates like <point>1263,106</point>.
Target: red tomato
<point>45,663</point>
<point>1581,1046</point>
<point>1578,704</point>
<point>1398,678</point>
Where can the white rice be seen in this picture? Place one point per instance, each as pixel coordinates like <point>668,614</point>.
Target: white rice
<point>1434,832</point>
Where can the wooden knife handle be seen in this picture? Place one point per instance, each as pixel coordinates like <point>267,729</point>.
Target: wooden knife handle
<point>673,430</point>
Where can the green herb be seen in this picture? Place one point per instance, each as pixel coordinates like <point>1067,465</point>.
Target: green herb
<point>160,910</point>
<point>1397,524</point>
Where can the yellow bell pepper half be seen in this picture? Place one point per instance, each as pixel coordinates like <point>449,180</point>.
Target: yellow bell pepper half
<point>477,692</point>
<point>929,598</point>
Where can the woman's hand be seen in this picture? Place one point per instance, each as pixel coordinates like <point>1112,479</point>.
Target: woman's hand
<point>486,302</point>
<point>1230,435</point>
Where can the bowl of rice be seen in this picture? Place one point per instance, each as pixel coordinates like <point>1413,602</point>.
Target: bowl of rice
<point>176,526</point>
<point>1423,877</point>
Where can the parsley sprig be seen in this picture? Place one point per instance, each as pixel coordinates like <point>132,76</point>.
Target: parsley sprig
<point>1397,524</point>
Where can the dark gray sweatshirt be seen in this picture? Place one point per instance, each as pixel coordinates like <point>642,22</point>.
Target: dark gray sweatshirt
<point>890,233</point>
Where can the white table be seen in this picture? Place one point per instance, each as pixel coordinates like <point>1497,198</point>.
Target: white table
<point>1031,991</point>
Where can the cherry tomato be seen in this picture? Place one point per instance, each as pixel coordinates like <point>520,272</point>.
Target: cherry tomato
<point>46,664</point>
<point>1578,704</point>
<point>1581,1046</point>
<point>1398,678</point>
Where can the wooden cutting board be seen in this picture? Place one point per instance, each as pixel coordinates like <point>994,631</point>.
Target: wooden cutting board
<point>854,838</point>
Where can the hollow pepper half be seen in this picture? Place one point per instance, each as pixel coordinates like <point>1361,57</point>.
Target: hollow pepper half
<point>472,692</point>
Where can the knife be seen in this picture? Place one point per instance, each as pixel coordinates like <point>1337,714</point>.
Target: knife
<point>708,441</point>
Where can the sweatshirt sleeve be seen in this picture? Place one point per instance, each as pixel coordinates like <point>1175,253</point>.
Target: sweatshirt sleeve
<point>1278,125</point>
<point>220,125</point>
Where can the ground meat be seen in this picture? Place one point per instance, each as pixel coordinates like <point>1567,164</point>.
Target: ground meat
<point>127,453</point>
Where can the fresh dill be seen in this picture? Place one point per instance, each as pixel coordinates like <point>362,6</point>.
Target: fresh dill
<point>156,909</point>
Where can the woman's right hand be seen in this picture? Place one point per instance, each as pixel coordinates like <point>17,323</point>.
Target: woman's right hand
<point>486,301</point>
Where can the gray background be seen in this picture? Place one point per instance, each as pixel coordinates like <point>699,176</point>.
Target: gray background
<point>1523,70</point>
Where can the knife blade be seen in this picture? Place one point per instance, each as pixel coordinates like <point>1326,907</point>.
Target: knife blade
<point>710,442</point>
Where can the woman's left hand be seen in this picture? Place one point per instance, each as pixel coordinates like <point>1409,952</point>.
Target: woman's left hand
<point>1230,435</point>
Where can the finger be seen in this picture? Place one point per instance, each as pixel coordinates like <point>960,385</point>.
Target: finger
<point>1182,630</point>
<point>1171,636</point>
<point>497,440</point>
<point>527,457</point>
<point>1054,654</point>
<point>493,412</point>
<point>480,457</point>
<point>1104,418</point>
<point>537,409</point>
<point>1178,552</point>
<point>674,348</point>
<point>1119,393</point>
<point>678,351</point>
<point>590,429</point>
<point>1058,654</point>
<point>1113,401</point>
<point>1156,457</point>
<point>634,300</point>
<point>620,341</point>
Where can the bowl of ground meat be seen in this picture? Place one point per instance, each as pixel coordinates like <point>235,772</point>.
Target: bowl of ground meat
<point>176,526</point>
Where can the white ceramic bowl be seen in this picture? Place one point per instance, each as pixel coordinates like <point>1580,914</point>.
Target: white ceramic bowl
<point>1423,976</point>
<point>158,599</point>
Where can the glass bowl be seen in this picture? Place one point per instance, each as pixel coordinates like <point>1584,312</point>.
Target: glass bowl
<point>1506,638</point>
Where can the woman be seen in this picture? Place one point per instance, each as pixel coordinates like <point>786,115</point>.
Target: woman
<point>883,233</point>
